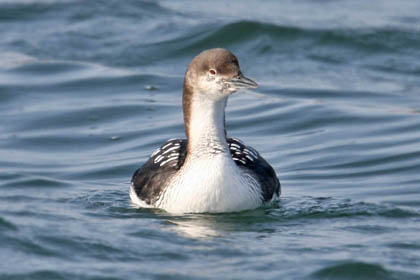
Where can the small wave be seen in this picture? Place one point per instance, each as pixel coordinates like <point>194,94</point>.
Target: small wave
<point>27,10</point>
<point>17,243</point>
<point>109,201</point>
<point>21,69</point>
<point>360,270</point>
<point>37,182</point>
<point>6,225</point>
<point>278,36</point>
<point>10,60</point>
<point>226,35</point>
<point>37,275</point>
<point>327,207</point>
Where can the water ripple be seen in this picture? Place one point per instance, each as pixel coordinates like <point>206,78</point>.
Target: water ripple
<point>89,89</point>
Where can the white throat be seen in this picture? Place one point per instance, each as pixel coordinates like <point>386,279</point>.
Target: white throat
<point>207,126</point>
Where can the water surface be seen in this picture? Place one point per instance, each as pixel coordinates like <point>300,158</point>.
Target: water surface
<point>88,89</point>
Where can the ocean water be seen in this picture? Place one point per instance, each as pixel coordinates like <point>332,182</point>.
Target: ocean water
<point>88,89</point>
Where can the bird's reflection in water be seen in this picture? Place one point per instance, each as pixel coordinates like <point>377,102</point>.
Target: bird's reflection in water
<point>194,228</point>
<point>203,226</point>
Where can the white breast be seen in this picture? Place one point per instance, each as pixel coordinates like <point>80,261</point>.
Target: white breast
<point>212,184</point>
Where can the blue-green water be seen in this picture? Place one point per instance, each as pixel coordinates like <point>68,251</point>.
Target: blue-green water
<point>88,89</point>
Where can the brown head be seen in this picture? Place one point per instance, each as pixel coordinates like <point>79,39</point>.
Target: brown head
<point>213,74</point>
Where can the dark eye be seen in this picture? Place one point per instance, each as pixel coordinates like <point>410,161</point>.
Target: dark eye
<point>212,71</point>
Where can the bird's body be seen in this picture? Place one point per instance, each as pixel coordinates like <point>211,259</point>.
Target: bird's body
<point>207,172</point>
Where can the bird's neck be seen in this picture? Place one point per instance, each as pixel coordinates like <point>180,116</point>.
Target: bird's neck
<point>205,125</point>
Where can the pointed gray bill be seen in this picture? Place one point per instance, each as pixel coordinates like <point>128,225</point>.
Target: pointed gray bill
<point>242,82</point>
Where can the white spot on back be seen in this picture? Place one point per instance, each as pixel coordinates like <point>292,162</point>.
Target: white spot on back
<point>155,152</point>
<point>170,149</point>
<point>166,161</point>
<point>158,158</point>
<point>250,158</point>
<point>166,145</point>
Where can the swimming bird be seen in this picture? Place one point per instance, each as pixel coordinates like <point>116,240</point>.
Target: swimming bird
<point>207,172</point>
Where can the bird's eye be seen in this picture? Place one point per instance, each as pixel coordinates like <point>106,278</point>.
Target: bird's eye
<point>212,71</point>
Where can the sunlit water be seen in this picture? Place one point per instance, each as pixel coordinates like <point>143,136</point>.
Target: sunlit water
<point>88,89</point>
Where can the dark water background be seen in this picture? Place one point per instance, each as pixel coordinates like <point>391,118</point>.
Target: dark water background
<point>88,89</point>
